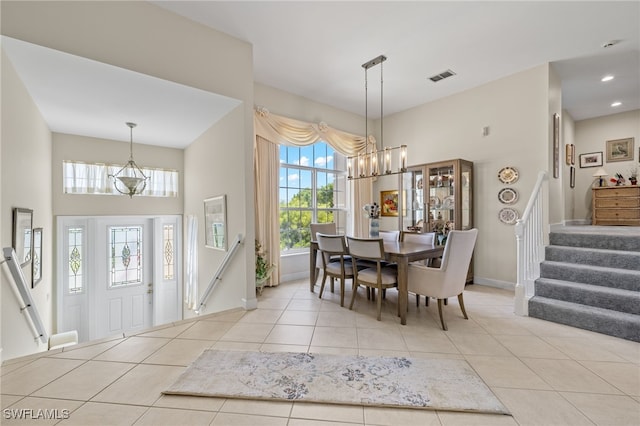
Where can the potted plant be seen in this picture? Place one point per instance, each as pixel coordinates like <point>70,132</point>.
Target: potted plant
<point>263,267</point>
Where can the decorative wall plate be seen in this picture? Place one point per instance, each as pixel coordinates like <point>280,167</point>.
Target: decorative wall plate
<point>508,215</point>
<point>447,203</point>
<point>508,196</point>
<point>508,175</point>
<point>419,183</point>
<point>434,202</point>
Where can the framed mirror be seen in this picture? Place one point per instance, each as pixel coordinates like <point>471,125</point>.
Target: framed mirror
<point>36,264</point>
<point>215,222</point>
<point>22,238</point>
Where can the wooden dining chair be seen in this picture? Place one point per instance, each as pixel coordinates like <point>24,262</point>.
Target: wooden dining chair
<point>323,228</point>
<point>449,279</point>
<point>379,277</point>
<point>333,254</point>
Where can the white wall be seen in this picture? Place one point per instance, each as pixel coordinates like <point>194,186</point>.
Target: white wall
<point>213,170</point>
<point>592,136</point>
<point>516,110</point>
<point>82,148</point>
<point>26,175</point>
<point>142,37</point>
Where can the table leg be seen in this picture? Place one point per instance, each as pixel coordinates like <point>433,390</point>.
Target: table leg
<point>313,277</point>
<point>403,293</point>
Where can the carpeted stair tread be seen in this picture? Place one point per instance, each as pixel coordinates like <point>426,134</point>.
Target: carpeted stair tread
<point>595,275</point>
<point>622,238</point>
<point>595,257</point>
<point>612,323</point>
<point>592,295</point>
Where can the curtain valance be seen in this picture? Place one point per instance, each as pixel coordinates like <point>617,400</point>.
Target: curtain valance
<point>287,131</point>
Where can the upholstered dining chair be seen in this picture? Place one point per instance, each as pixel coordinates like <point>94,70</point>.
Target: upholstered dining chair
<point>428,238</point>
<point>449,279</point>
<point>390,235</point>
<point>334,247</point>
<point>323,228</point>
<point>379,277</point>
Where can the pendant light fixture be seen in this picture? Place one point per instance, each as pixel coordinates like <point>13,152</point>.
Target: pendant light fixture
<point>130,180</point>
<point>369,164</point>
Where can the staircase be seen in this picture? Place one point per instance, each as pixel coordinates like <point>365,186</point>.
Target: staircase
<point>590,279</point>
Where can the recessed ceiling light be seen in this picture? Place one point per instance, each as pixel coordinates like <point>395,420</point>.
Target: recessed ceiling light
<point>616,104</point>
<point>607,78</point>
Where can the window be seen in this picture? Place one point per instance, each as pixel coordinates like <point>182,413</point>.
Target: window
<point>168,257</point>
<point>312,190</point>
<point>75,249</point>
<point>87,178</point>
<point>125,243</point>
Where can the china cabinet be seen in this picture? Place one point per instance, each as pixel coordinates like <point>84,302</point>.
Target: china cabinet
<point>439,198</point>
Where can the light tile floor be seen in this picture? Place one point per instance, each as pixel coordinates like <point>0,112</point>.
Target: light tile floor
<point>544,373</point>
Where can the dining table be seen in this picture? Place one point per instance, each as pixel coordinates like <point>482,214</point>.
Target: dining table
<point>398,252</point>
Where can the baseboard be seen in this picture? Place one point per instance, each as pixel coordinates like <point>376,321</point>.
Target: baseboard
<point>294,277</point>
<point>505,285</point>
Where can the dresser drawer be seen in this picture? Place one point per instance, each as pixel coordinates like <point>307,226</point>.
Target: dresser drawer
<point>617,192</point>
<point>617,213</point>
<point>617,202</point>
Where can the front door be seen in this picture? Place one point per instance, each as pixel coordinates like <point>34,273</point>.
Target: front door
<point>123,299</point>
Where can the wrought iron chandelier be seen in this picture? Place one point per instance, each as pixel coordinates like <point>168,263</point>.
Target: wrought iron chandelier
<point>368,164</point>
<point>130,180</point>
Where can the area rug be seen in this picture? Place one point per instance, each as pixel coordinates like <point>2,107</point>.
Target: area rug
<point>437,384</point>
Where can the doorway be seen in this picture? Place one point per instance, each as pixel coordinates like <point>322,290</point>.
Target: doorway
<point>118,274</point>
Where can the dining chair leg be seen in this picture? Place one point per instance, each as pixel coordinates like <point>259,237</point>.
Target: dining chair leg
<point>379,304</point>
<point>426,301</point>
<point>446,301</point>
<point>461,302</point>
<point>342,283</point>
<point>417,301</point>
<point>324,279</point>
<point>353,294</point>
<point>368,293</point>
<point>444,325</point>
<point>332,282</point>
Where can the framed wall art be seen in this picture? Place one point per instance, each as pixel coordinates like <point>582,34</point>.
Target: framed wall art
<point>572,177</point>
<point>620,150</point>
<point>21,237</point>
<point>591,159</point>
<point>570,154</point>
<point>215,222</point>
<point>556,145</point>
<point>389,202</point>
<point>36,264</point>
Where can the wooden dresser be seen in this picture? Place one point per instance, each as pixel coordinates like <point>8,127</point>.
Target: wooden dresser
<point>616,205</point>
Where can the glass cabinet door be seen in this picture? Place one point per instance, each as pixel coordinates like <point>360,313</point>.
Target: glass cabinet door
<point>413,216</point>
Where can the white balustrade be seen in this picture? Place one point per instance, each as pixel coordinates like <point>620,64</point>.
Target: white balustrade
<point>530,247</point>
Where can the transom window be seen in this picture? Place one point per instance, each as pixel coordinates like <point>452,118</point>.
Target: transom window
<point>312,190</point>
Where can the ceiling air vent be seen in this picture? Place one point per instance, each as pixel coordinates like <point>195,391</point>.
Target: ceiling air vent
<point>445,74</point>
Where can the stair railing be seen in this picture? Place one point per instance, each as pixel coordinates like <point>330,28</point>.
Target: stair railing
<point>529,232</point>
<point>23,294</point>
<point>218,275</point>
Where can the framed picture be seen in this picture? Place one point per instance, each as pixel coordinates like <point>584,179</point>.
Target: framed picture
<point>572,177</point>
<point>215,222</point>
<point>389,202</point>
<point>556,145</point>
<point>22,238</point>
<point>620,150</point>
<point>570,154</point>
<point>36,264</point>
<point>591,159</point>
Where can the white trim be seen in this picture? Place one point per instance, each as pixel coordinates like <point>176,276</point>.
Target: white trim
<point>506,285</point>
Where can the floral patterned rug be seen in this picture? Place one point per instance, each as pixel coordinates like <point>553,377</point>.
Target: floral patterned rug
<point>438,384</point>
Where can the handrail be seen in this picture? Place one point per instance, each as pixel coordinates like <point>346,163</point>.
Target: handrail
<point>218,275</point>
<point>529,247</point>
<point>24,295</point>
